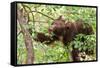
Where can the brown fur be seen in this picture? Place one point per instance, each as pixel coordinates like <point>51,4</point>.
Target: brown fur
<point>65,31</point>
<point>68,30</point>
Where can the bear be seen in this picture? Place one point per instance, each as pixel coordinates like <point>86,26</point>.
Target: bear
<point>66,31</point>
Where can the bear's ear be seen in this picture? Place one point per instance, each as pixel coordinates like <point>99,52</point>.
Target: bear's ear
<point>60,17</point>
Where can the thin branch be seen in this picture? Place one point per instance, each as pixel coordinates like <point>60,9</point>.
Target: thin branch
<point>19,33</point>
<point>25,11</point>
<point>39,21</point>
<point>37,12</point>
<point>28,15</point>
<point>43,14</point>
<point>30,10</point>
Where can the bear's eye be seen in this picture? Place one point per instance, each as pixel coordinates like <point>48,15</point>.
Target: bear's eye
<point>67,27</point>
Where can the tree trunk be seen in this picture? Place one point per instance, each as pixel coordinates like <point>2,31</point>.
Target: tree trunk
<point>23,20</point>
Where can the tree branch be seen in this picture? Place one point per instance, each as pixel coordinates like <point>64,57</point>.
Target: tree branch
<point>43,14</point>
<point>29,10</point>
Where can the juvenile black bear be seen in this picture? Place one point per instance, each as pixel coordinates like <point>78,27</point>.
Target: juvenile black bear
<point>66,31</point>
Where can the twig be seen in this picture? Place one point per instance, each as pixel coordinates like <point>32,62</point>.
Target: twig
<point>36,11</point>
<point>43,14</point>
<point>29,9</point>
<point>25,11</point>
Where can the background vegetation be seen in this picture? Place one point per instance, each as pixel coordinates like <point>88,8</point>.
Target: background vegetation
<point>40,17</point>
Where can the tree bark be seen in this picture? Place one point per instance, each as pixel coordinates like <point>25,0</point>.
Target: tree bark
<point>23,20</point>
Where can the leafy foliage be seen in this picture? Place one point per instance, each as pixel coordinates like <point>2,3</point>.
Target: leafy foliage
<point>83,42</point>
